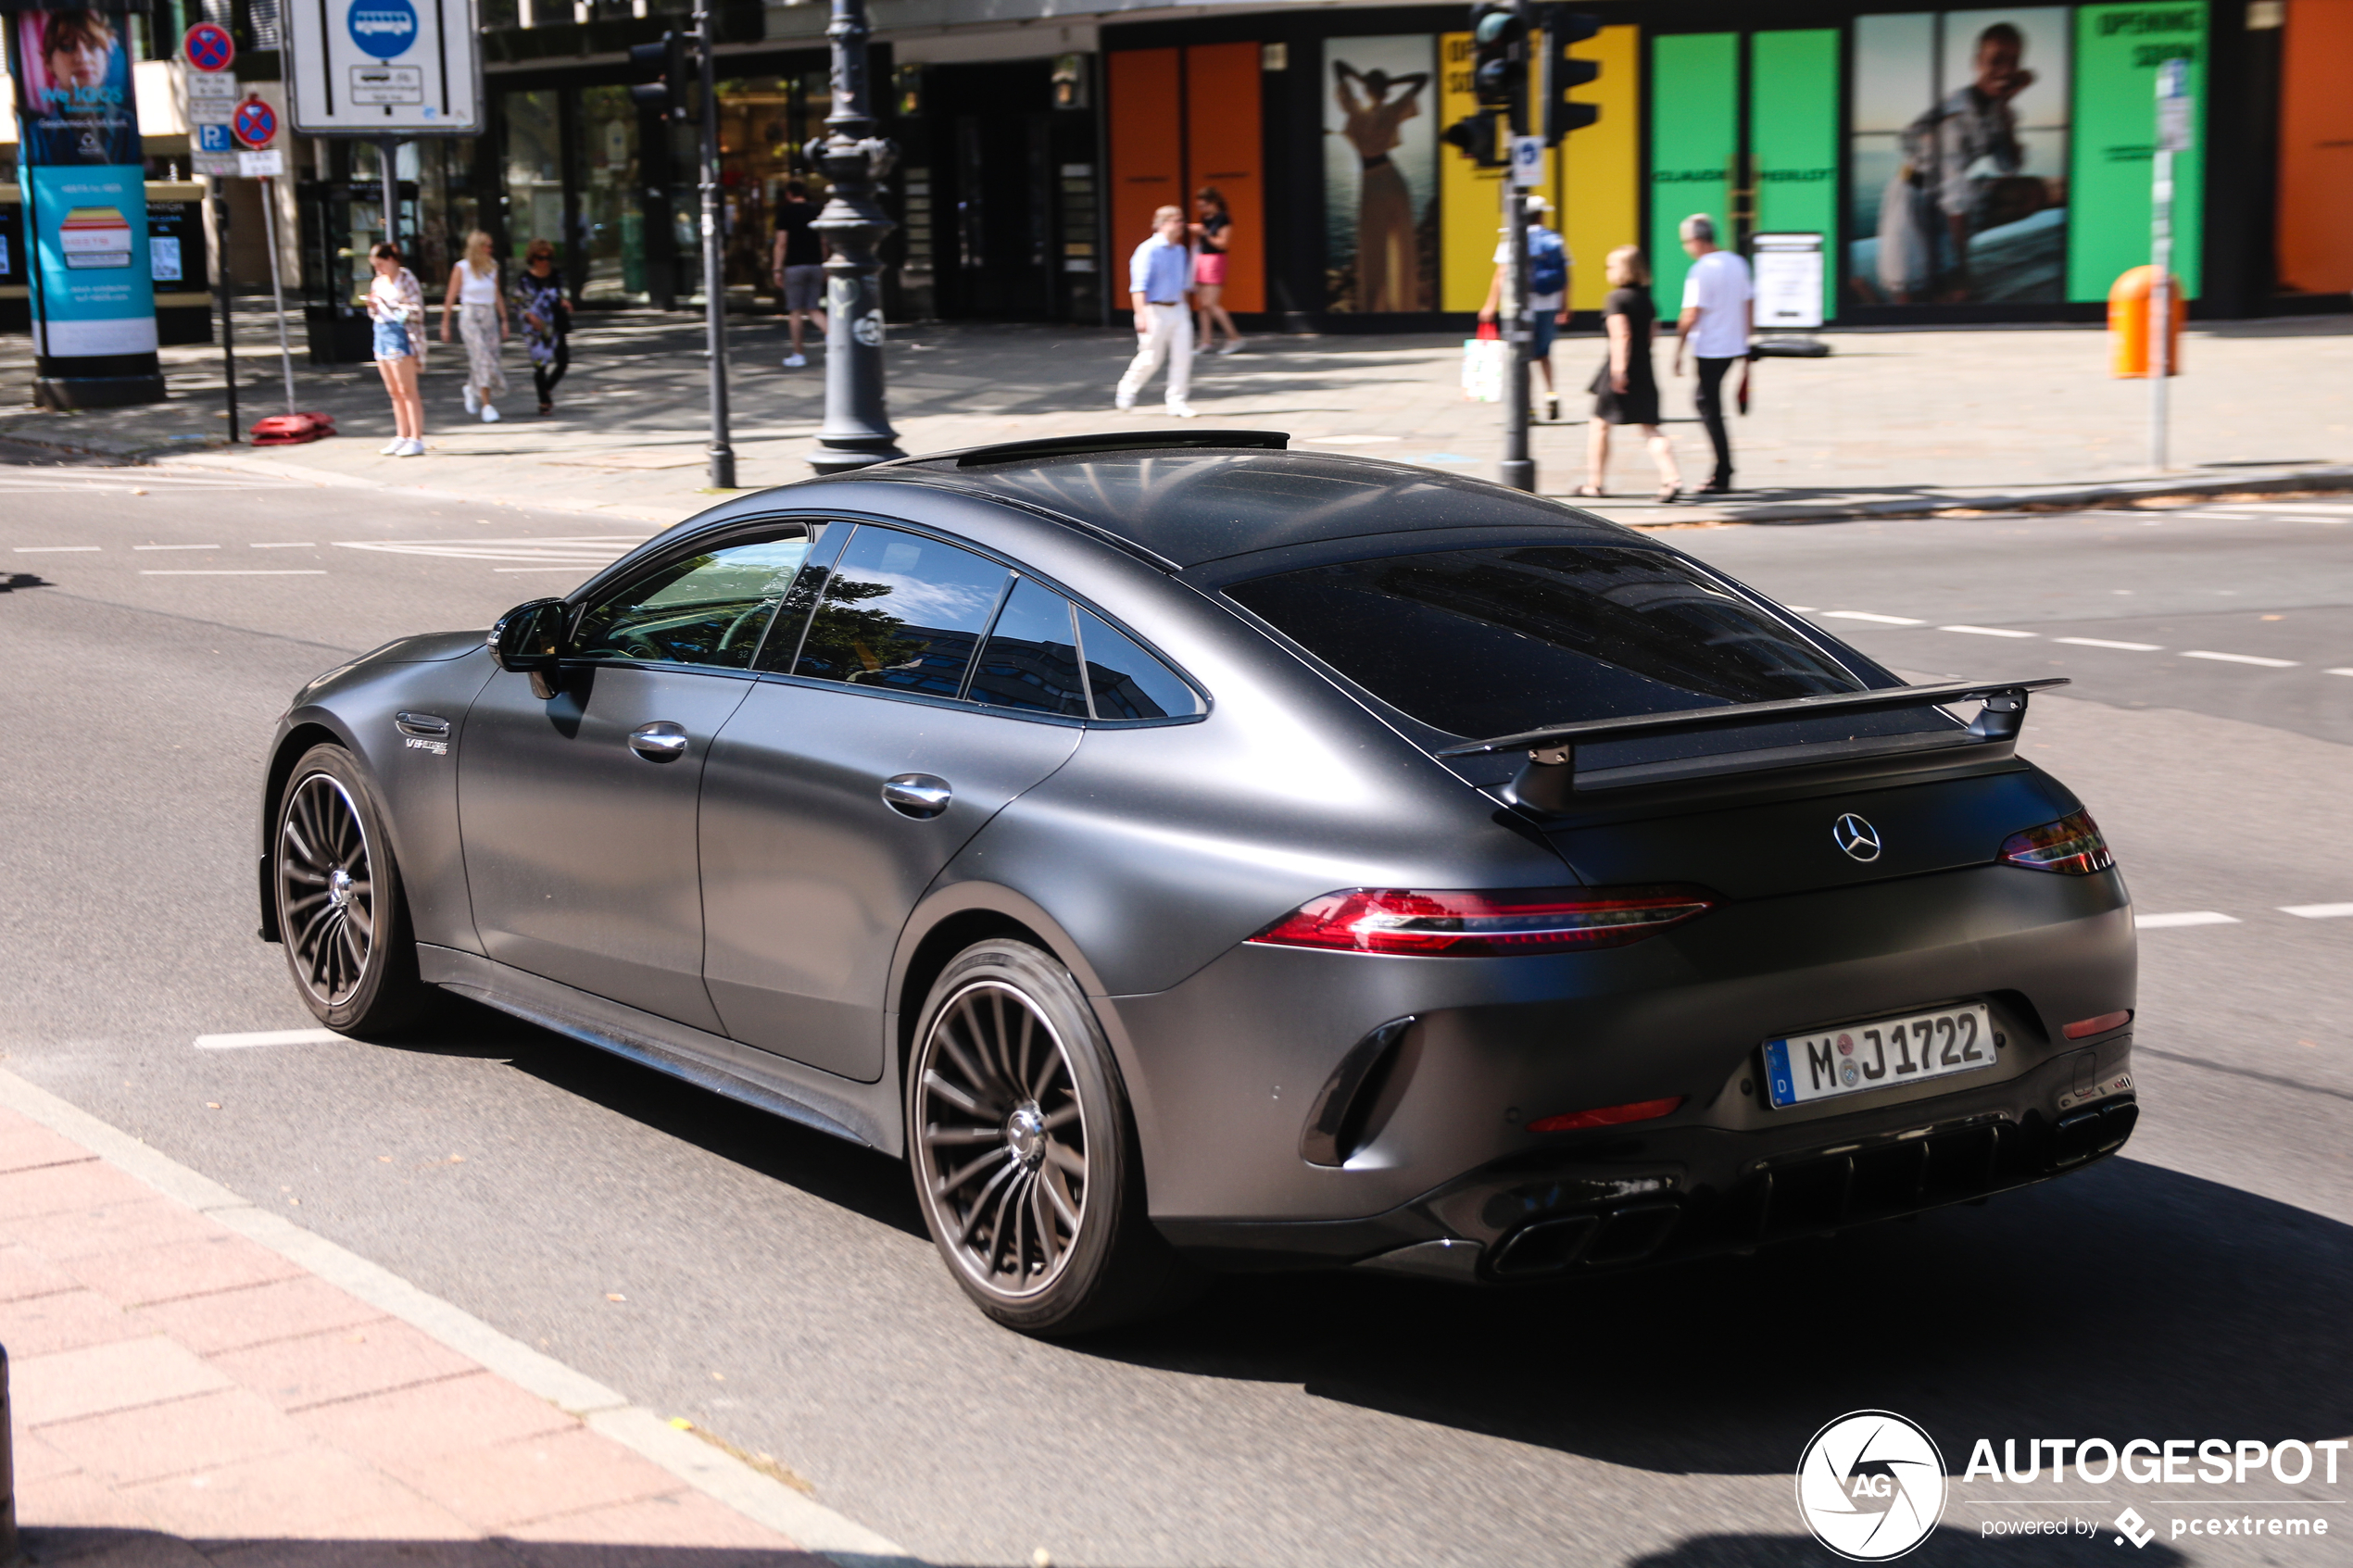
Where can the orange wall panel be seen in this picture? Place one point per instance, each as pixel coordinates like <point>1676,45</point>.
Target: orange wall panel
<point>1223,149</point>
<point>1147,154</point>
<point>2316,149</point>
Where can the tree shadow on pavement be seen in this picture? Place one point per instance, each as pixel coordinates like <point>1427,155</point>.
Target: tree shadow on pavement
<point>2125,1301</point>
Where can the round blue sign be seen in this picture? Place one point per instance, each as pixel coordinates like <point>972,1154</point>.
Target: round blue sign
<point>383,27</point>
<point>208,47</point>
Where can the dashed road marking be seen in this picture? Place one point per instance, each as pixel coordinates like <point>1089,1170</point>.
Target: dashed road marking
<point>286,544</point>
<point>2243,658</point>
<point>1866,615</point>
<point>175,546</point>
<point>2345,671</point>
<point>56,549</point>
<point>1987,631</point>
<point>2107,642</point>
<point>582,549</point>
<point>2193,917</point>
<point>230,572</point>
<point>268,1037</point>
<point>2318,911</point>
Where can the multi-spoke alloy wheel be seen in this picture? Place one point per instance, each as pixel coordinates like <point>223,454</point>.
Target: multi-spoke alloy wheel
<point>1003,1139</point>
<point>1023,1151</point>
<point>326,891</point>
<point>339,910</point>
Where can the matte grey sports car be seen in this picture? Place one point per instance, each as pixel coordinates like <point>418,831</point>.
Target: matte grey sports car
<point>1192,854</point>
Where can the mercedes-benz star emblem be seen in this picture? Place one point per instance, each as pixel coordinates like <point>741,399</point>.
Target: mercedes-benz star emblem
<point>1857,838</point>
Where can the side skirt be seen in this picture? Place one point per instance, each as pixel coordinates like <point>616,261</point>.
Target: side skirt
<point>842,1107</point>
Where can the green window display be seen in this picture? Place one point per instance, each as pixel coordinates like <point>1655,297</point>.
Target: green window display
<point>2117,51</point>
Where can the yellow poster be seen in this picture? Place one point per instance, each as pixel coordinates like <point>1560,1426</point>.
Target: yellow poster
<point>1595,191</point>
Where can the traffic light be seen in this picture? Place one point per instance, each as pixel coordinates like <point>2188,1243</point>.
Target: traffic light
<point>1562,28</point>
<point>1499,59</point>
<point>1474,135</point>
<point>661,71</point>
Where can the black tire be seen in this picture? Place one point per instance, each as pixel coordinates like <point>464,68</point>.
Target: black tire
<point>1024,1152</point>
<point>342,917</point>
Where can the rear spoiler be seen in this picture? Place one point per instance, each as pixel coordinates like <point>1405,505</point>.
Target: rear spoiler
<point>1550,774</point>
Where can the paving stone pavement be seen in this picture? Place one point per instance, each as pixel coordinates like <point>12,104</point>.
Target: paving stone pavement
<point>185,1395</point>
<point>1892,419</point>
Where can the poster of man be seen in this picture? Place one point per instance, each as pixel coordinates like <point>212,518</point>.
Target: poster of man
<point>1960,155</point>
<point>77,88</point>
<point>1381,175</point>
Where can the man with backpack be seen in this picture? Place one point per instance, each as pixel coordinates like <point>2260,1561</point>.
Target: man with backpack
<point>1548,265</point>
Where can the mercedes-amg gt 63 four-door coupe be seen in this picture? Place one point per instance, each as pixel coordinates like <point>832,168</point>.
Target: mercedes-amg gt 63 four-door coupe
<point>1191,855</point>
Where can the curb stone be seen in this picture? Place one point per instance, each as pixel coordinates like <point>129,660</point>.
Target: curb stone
<point>711,1471</point>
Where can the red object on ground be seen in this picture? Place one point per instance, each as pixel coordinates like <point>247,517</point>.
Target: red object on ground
<point>292,430</point>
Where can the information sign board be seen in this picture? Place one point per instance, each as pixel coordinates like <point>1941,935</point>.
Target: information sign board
<point>383,67</point>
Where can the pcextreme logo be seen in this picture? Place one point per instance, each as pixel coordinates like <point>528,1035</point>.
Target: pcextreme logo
<point>1871,1485</point>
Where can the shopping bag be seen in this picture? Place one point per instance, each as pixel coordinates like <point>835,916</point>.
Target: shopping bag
<point>290,430</point>
<point>1485,361</point>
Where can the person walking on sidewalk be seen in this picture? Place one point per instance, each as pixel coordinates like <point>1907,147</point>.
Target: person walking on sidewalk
<point>397,306</point>
<point>799,262</point>
<point>1718,310</point>
<point>1213,230</point>
<point>1159,278</point>
<point>1626,388</point>
<point>1548,264</point>
<point>481,310</point>
<point>547,320</point>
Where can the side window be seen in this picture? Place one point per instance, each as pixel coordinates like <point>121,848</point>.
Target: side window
<point>900,611</point>
<point>1127,683</point>
<point>1031,659</point>
<point>707,610</point>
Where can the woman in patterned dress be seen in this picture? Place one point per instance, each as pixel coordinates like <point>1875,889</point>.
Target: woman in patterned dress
<point>547,320</point>
<point>474,298</point>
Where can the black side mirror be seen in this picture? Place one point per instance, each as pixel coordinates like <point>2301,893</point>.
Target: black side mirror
<point>530,638</point>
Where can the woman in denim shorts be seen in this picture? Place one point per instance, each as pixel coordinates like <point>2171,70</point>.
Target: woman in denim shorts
<point>396,306</point>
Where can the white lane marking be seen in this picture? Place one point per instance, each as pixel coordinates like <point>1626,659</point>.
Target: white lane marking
<point>175,546</point>
<point>2105,643</point>
<point>574,568</point>
<point>257,571</point>
<point>54,549</point>
<point>2194,917</point>
<point>2345,672</point>
<point>268,1037</point>
<point>2243,658</point>
<point>2318,911</point>
<point>1801,609</point>
<point>286,545</point>
<point>587,549</point>
<point>1866,615</point>
<point>1987,631</point>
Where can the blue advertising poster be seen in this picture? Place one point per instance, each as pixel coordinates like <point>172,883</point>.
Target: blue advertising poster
<point>85,197</point>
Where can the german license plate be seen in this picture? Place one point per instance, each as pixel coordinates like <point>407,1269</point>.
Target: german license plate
<point>1856,1058</point>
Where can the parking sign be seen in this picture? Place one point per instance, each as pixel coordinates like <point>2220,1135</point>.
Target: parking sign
<point>383,67</point>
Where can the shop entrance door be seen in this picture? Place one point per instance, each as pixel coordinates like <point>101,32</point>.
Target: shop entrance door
<point>1006,171</point>
<point>1744,129</point>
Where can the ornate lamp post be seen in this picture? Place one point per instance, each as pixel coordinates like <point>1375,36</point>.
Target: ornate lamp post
<point>857,429</point>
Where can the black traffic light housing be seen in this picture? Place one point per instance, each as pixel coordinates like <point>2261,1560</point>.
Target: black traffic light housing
<point>1499,59</point>
<point>662,70</point>
<point>1563,27</point>
<point>1477,136</point>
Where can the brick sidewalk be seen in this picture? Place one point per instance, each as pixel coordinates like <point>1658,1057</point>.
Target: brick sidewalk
<point>183,1395</point>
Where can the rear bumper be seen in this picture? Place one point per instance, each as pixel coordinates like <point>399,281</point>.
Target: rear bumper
<point>1621,1199</point>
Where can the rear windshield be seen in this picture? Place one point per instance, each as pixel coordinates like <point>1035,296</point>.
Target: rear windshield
<point>1484,643</point>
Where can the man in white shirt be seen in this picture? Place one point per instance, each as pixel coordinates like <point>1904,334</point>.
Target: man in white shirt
<point>1719,306</point>
<point>1159,277</point>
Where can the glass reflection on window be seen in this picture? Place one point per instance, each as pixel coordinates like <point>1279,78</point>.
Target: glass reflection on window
<point>901,611</point>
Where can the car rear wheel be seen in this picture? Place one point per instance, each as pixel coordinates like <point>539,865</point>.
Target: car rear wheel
<point>341,916</point>
<point>1024,1152</point>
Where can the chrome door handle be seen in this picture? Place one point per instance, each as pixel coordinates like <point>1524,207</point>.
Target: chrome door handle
<point>917,794</point>
<point>660,741</point>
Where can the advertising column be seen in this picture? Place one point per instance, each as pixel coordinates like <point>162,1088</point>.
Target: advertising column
<point>81,165</point>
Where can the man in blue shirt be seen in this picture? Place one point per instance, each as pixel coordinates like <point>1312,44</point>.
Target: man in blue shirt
<point>1159,277</point>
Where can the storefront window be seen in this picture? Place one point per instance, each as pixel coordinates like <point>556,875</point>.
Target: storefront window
<point>765,125</point>
<point>532,158</point>
<point>611,220</point>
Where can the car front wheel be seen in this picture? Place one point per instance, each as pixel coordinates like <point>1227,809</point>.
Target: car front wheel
<point>340,912</point>
<point>1024,1152</point>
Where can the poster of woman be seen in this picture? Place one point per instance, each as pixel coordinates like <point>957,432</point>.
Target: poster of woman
<point>1959,154</point>
<point>76,83</point>
<point>1380,174</point>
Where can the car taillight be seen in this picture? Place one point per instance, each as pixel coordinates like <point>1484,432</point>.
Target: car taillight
<point>2071,844</point>
<point>1608,1116</point>
<point>1396,919</point>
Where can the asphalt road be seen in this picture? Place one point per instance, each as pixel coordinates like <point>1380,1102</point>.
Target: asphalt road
<point>778,1288</point>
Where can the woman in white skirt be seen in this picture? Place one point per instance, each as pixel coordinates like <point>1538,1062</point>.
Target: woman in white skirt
<point>480,308</point>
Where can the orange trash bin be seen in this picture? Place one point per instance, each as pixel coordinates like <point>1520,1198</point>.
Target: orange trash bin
<point>2128,324</point>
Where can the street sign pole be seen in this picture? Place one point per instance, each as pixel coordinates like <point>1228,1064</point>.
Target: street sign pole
<point>2173,135</point>
<point>206,50</point>
<point>277,291</point>
<point>388,160</point>
<point>1518,468</point>
<point>714,261</point>
<point>220,291</point>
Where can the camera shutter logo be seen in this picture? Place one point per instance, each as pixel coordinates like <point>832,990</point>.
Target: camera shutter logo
<point>383,27</point>
<point>1871,1485</point>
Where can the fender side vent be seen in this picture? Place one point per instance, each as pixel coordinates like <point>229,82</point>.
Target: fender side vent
<point>1358,1098</point>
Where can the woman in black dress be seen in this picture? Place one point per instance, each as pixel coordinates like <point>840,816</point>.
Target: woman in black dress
<point>1625,390</point>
